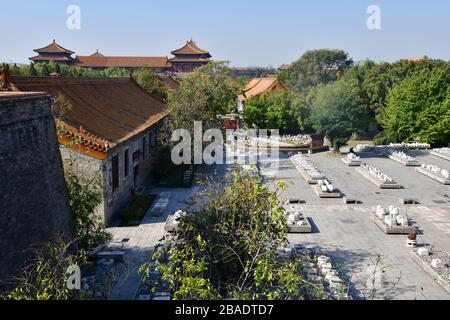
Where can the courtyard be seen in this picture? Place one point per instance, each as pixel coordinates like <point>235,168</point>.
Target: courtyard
<point>351,238</point>
<point>345,232</point>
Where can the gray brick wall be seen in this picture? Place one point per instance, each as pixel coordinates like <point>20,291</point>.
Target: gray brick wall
<point>33,196</point>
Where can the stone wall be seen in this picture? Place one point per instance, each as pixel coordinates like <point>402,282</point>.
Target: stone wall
<point>114,200</point>
<point>33,196</point>
<point>117,199</point>
<point>87,167</point>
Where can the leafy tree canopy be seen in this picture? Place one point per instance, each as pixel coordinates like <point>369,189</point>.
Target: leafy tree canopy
<point>316,67</point>
<point>419,107</point>
<point>379,80</point>
<point>205,94</point>
<point>227,247</point>
<point>338,111</point>
<point>285,111</point>
<point>149,80</point>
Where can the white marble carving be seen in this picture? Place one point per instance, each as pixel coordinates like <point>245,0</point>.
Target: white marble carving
<point>392,220</point>
<point>378,174</point>
<point>444,173</point>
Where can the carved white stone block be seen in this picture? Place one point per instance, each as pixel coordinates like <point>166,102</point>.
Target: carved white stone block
<point>435,263</point>
<point>423,252</point>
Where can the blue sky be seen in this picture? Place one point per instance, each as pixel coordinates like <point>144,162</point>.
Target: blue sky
<point>245,32</point>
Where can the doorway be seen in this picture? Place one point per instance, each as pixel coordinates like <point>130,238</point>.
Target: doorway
<point>135,176</point>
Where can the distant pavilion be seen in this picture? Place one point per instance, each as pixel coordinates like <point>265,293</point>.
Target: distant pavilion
<point>189,57</point>
<point>53,53</point>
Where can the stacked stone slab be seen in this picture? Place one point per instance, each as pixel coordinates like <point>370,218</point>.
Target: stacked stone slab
<point>297,222</point>
<point>318,269</point>
<point>325,189</point>
<point>392,221</point>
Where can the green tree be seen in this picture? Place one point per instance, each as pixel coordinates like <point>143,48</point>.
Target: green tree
<point>43,70</point>
<point>58,68</point>
<point>419,107</point>
<point>85,195</point>
<point>149,81</point>
<point>33,71</point>
<point>45,275</point>
<point>227,247</point>
<point>317,67</point>
<point>285,111</point>
<point>204,95</point>
<point>337,111</point>
<point>381,78</point>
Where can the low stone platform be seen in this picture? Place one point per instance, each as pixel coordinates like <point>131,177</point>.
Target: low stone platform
<point>350,200</point>
<point>305,227</point>
<point>295,201</point>
<point>430,271</point>
<point>391,230</point>
<point>408,163</point>
<point>322,194</point>
<point>380,184</point>
<point>351,162</point>
<point>304,175</point>
<point>410,201</point>
<point>301,229</point>
<point>308,179</point>
<point>433,176</point>
<point>170,225</point>
<point>441,155</point>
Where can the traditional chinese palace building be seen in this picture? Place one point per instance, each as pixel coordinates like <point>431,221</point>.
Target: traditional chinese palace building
<point>259,87</point>
<point>189,57</point>
<point>53,53</point>
<point>185,59</point>
<point>111,130</point>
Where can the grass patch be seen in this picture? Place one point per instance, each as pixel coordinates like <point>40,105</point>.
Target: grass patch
<point>354,143</point>
<point>137,209</point>
<point>332,154</point>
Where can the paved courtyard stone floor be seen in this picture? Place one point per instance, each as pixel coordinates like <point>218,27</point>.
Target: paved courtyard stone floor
<point>344,232</point>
